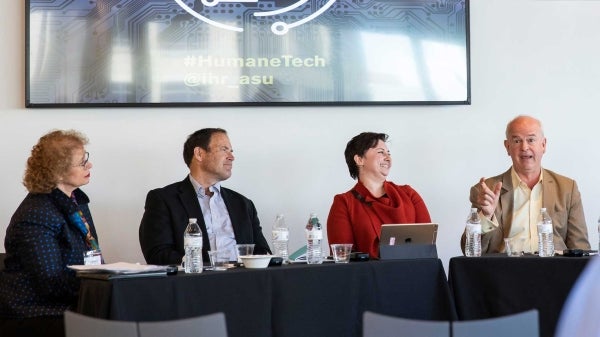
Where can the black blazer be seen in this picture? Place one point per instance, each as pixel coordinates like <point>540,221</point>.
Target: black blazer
<point>166,215</point>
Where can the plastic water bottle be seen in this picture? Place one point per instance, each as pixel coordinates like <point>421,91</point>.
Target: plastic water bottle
<point>281,236</point>
<point>314,235</point>
<point>473,230</point>
<point>545,236</point>
<point>192,243</point>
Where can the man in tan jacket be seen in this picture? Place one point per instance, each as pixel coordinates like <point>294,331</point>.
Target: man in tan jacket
<point>509,204</point>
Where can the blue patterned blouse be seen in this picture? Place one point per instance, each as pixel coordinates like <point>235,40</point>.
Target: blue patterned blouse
<point>40,242</point>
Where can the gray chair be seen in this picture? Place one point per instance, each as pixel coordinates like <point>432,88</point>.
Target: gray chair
<point>524,324</point>
<point>212,325</point>
<point>77,325</point>
<point>378,325</point>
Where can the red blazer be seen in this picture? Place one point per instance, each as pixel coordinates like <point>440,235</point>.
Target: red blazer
<point>356,216</point>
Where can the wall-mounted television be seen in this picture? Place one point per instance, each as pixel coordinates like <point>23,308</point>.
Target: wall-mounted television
<point>96,53</point>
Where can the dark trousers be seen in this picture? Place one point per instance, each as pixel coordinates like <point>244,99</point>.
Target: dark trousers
<point>52,326</point>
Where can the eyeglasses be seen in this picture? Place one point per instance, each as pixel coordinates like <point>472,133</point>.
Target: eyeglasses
<point>86,158</point>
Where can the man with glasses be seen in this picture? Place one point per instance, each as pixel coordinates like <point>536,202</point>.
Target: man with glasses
<point>222,213</point>
<point>509,204</point>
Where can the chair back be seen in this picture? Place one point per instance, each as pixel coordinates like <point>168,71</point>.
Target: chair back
<point>77,325</point>
<point>212,325</point>
<point>524,324</point>
<point>2,256</point>
<point>378,325</point>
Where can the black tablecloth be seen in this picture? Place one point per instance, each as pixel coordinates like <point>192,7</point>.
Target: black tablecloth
<point>292,300</point>
<point>497,285</point>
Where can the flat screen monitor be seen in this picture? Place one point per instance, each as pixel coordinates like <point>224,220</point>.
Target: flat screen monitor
<point>82,53</point>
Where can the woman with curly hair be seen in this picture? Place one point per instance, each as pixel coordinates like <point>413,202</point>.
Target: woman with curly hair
<point>51,229</point>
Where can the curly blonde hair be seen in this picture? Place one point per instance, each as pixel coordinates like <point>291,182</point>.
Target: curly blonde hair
<point>51,159</point>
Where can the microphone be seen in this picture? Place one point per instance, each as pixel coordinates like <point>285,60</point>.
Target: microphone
<point>360,198</point>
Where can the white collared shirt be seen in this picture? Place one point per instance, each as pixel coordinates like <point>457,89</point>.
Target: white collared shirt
<point>216,218</point>
<point>527,204</point>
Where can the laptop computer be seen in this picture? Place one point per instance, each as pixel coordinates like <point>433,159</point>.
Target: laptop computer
<point>400,234</point>
<point>406,241</point>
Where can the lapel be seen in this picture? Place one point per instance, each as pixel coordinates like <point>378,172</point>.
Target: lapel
<point>506,202</point>
<point>548,192</point>
<point>189,200</point>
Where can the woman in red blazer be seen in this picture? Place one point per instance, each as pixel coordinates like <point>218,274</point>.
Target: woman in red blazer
<point>357,215</point>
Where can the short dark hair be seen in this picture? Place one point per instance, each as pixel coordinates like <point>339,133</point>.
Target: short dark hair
<point>201,139</point>
<point>358,146</point>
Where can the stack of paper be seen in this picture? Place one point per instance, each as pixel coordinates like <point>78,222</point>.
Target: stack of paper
<point>122,269</point>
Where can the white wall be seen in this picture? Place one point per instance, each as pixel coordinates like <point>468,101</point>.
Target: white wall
<point>527,57</point>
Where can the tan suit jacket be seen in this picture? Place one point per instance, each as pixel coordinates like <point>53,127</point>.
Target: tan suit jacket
<point>560,196</point>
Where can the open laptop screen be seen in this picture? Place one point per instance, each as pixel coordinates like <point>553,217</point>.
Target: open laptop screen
<point>400,234</point>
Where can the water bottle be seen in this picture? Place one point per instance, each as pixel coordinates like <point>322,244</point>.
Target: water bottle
<point>192,243</point>
<point>281,236</point>
<point>545,236</point>
<point>473,230</point>
<point>314,235</point>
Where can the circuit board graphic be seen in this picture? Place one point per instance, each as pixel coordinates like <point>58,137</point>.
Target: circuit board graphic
<point>129,52</point>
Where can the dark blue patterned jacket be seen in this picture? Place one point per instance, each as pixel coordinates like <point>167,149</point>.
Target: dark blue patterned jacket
<point>40,243</point>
